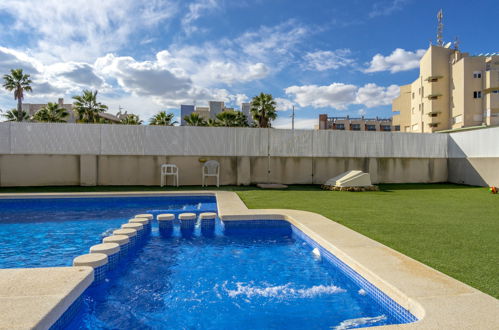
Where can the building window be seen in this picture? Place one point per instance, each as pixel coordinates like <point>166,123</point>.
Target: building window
<point>387,128</point>
<point>495,92</point>
<point>340,126</point>
<point>397,128</point>
<point>477,74</point>
<point>413,95</point>
<point>433,114</point>
<point>370,127</point>
<point>355,127</point>
<point>433,124</point>
<point>477,94</point>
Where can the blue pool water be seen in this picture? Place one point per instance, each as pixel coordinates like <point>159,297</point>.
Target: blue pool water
<point>228,278</point>
<point>52,231</point>
<point>240,279</point>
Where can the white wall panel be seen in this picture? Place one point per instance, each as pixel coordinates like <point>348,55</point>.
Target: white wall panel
<point>45,138</point>
<point>122,139</point>
<point>209,141</point>
<point>37,138</point>
<point>164,140</point>
<point>4,138</point>
<point>291,143</point>
<point>251,141</point>
<point>420,145</point>
<point>477,143</point>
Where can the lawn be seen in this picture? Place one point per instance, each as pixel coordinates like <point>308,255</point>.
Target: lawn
<point>452,228</point>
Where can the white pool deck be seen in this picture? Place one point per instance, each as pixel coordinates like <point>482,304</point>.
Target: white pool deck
<point>37,297</point>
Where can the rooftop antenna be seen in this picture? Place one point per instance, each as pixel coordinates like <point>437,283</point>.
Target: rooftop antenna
<point>456,43</point>
<point>440,28</point>
<point>293,119</point>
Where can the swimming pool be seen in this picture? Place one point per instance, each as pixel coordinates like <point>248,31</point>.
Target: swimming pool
<point>243,274</point>
<point>49,232</point>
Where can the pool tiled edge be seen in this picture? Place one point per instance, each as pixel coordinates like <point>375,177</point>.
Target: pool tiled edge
<point>435,299</point>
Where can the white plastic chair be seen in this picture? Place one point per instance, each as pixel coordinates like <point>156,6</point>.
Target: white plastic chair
<point>169,169</point>
<point>211,168</point>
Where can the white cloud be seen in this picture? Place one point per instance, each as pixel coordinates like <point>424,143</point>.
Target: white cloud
<point>240,98</point>
<point>179,74</point>
<point>398,60</point>
<point>385,8</point>
<point>51,80</point>
<point>362,112</point>
<point>340,96</point>
<point>275,42</point>
<point>196,10</point>
<point>336,95</point>
<point>79,30</point>
<point>372,95</point>
<point>326,60</point>
<point>300,123</point>
<point>283,104</point>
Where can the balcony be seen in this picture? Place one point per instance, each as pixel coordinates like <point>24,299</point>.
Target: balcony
<point>433,113</point>
<point>434,96</point>
<point>433,78</point>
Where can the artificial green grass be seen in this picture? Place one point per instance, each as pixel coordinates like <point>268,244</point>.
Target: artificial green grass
<point>452,228</point>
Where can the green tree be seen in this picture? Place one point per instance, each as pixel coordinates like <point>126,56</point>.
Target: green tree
<point>51,113</point>
<point>162,118</point>
<point>18,82</point>
<point>212,122</point>
<point>86,107</point>
<point>231,118</point>
<point>12,115</point>
<point>263,109</point>
<point>227,118</point>
<point>131,119</point>
<point>194,119</point>
<point>241,119</point>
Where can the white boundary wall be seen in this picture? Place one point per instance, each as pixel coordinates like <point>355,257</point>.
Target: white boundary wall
<point>96,139</point>
<point>482,143</point>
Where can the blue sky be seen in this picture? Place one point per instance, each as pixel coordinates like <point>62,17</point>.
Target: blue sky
<point>336,57</point>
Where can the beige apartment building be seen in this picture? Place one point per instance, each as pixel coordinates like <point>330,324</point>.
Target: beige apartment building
<point>454,90</point>
<point>356,124</point>
<point>32,108</point>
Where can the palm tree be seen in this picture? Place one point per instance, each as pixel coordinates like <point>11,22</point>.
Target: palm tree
<point>241,119</point>
<point>51,113</point>
<point>263,109</point>
<point>86,107</point>
<point>194,119</point>
<point>212,122</point>
<point>12,115</point>
<point>18,82</point>
<point>227,118</point>
<point>162,118</point>
<point>131,119</point>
